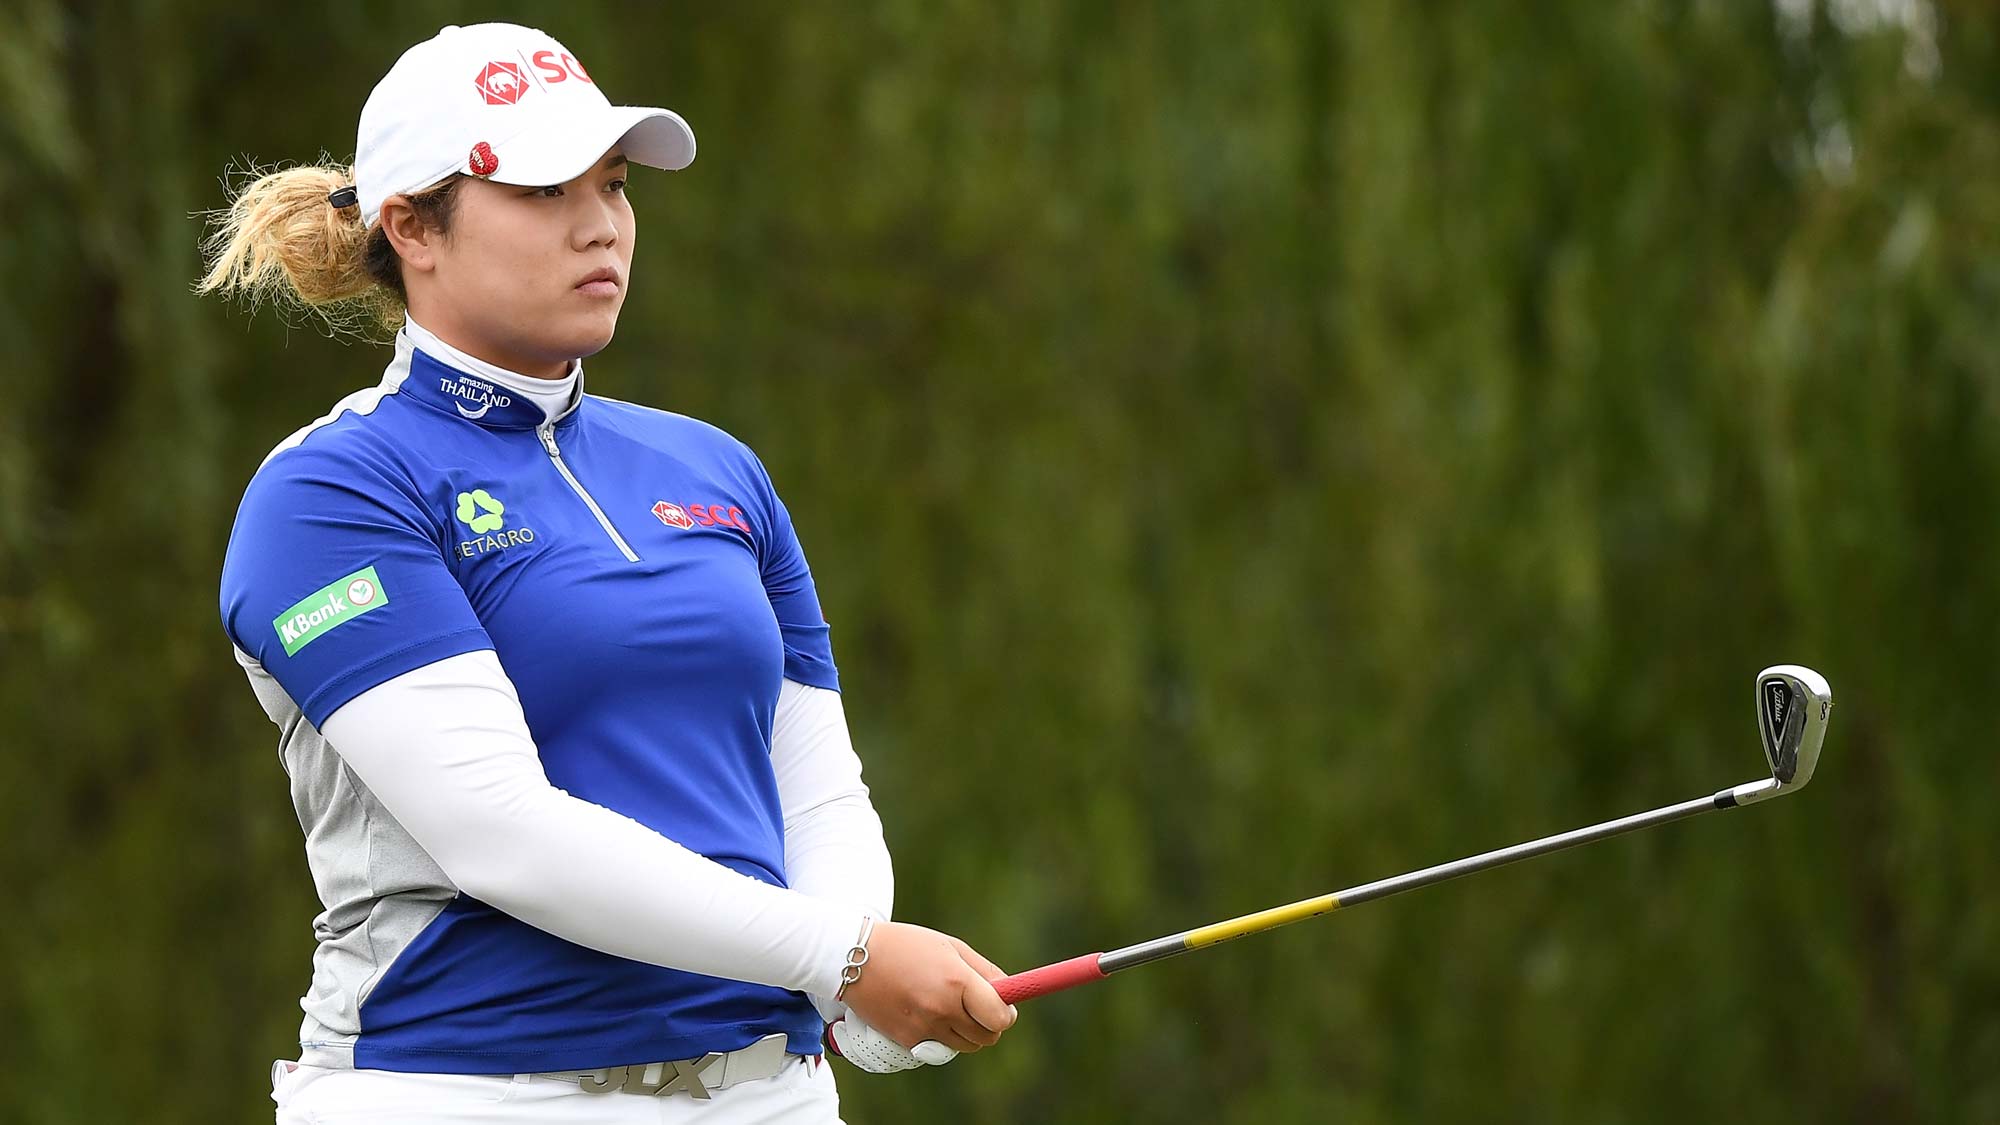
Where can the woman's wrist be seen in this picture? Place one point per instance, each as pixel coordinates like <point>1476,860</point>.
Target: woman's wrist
<point>856,958</point>
<point>836,940</point>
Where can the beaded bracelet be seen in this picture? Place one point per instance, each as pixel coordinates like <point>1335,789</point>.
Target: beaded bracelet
<point>856,957</point>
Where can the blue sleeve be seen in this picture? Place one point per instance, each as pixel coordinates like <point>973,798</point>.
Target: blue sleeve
<point>335,579</point>
<point>788,582</point>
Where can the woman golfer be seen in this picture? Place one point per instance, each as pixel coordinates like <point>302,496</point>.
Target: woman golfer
<point>552,683</point>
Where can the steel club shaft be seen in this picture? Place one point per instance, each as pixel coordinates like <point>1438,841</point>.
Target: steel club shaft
<point>1096,966</point>
<point>1792,706</point>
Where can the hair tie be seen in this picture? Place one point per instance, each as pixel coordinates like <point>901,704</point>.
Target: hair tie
<point>343,197</point>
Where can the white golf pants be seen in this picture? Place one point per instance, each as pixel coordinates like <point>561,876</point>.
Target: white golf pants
<point>801,1093</point>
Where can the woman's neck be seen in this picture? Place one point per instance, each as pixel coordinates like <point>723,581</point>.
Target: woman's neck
<point>445,332</point>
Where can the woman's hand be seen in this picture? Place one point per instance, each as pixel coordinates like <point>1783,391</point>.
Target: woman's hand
<point>920,984</point>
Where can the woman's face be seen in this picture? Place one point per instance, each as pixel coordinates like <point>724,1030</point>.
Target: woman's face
<point>528,278</point>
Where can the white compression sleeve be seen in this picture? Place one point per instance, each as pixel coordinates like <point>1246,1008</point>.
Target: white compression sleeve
<point>447,751</point>
<point>833,838</point>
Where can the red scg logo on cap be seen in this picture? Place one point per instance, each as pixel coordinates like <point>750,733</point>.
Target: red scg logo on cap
<point>501,83</point>
<point>560,68</point>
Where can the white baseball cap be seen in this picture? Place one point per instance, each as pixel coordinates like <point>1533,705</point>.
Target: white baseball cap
<point>502,102</point>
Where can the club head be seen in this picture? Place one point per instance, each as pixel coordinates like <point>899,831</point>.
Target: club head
<point>1792,705</point>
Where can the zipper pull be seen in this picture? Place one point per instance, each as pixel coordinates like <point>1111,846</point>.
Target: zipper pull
<point>549,441</point>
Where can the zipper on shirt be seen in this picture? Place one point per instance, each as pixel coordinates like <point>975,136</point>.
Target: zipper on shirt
<point>548,432</point>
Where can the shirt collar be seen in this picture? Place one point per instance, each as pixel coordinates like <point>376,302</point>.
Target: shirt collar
<point>446,379</point>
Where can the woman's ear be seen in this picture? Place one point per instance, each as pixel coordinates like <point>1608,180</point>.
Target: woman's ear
<point>414,242</point>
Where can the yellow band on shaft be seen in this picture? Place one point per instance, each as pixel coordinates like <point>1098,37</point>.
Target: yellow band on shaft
<point>1262,920</point>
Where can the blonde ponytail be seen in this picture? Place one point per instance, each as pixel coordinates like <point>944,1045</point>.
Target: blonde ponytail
<point>280,240</point>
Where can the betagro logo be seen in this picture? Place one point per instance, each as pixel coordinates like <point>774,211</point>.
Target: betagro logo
<point>329,607</point>
<point>494,517</point>
<point>483,512</point>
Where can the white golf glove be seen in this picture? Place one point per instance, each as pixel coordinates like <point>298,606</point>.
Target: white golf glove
<point>876,1053</point>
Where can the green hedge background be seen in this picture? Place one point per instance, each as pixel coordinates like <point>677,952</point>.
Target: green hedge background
<point>1245,450</point>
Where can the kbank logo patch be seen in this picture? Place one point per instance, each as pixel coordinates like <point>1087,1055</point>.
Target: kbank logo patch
<point>328,608</point>
<point>486,516</point>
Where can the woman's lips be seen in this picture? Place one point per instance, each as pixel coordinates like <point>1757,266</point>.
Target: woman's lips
<point>599,283</point>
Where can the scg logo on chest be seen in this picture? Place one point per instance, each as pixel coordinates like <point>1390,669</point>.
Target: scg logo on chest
<point>700,515</point>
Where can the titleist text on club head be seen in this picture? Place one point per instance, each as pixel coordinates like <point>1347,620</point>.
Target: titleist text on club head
<point>1793,703</point>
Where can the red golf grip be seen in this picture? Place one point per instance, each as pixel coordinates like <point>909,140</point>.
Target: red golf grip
<point>1049,978</point>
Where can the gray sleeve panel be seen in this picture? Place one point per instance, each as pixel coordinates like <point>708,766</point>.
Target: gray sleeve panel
<point>379,888</point>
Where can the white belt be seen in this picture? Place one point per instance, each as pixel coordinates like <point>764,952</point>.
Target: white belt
<point>712,1071</point>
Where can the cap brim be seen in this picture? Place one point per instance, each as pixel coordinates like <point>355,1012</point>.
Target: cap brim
<point>561,151</point>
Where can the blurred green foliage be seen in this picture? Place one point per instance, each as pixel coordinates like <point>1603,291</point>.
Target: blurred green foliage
<point>1245,450</point>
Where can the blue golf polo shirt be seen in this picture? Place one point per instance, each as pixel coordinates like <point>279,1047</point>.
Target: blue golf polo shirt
<point>640,583</point>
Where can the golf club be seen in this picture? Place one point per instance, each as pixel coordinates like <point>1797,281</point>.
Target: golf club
<point>1792,707</point>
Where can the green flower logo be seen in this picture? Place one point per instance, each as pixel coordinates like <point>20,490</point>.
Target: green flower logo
<point>487,517</point>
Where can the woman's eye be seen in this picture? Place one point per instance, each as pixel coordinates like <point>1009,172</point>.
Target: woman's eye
<point>615,185</point>
<point>552,191</point>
